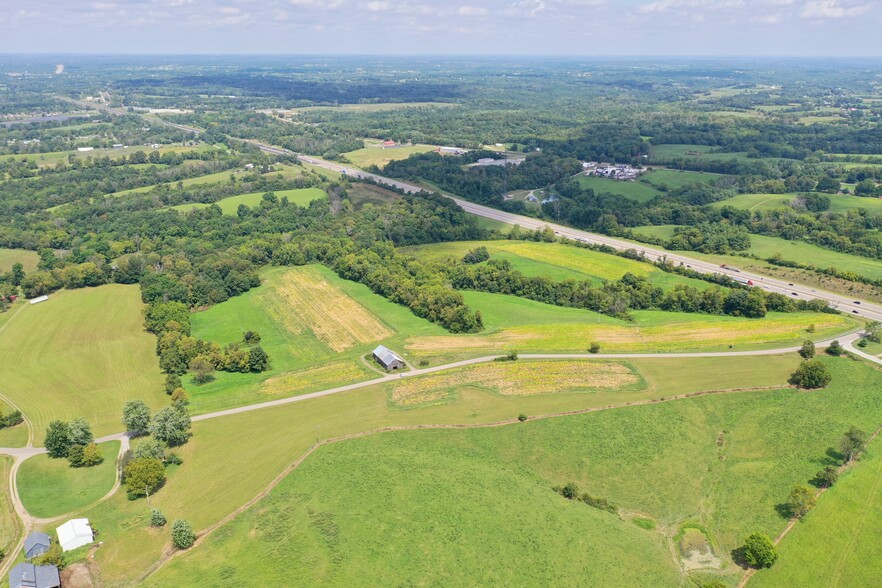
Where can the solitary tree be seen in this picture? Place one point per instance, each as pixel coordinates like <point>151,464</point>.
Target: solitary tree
<point>835,349</point>
<point>801,500</point>
<point>853,442</point>
<point>136,417</point>
<point>759,551</point>
<point>144,476</point>
<point>171,425</point>
<point>810,375</point>
<point>873,331</point>
<point>57,439</point>
<point>182,534</point>
<point>807,351</point>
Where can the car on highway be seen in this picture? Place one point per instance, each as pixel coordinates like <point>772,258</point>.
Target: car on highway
<point>854,312</point>
<point>857,301</point>
<point>794,293</point>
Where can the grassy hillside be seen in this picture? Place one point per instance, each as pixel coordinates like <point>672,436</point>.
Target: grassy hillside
<point>81,353</point>
<point>716,460</point>
<point>9,525</point>
<point>9,257</point>
<point>811,555</point>
<point>277,437</point>
<point>50,487</point>
<point>230,205</point>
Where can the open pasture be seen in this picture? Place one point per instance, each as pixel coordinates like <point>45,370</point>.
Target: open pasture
<point>230,205</point>
<point>50,487</point>
<point>80,353</point>
<point>714,460</point>
<point>53,157</point>
<point>373,153</point>
<point>9,257</point>
<point>632,190</point>
<point>675,179</point>
<point>221,177</point>
<point>666,153</point>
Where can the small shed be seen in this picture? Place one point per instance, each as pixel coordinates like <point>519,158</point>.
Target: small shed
<point>39,299</point>
<point>35,544</point>
<point>26,575</point>
<point>388,358</point>
<point>74,533</point>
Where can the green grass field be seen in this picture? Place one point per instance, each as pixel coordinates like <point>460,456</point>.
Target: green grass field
<point>677,179</point>
<point>555,260</point>
<point>799,251</point>
<point>9,525</point>
<point>837,543</point>
<point>632,190</point>
<point>81,353</point>
<point>230,205</point>
<point>50,487</point>
<point>374,154</point>
<point>838,202</point>
<point>723,461</point>
<point>362,193</point>
<point>665,153</point>
<point>9,257</point>
<point>192,493</point>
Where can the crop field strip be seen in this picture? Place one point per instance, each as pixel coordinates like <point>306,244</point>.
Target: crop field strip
<point>308,302</point>
<point>519,379</point>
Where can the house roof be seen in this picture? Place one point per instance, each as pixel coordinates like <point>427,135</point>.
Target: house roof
<point>74,533</point>
<point>35,539</point>
<point>386,355</point>
<point>26,575</point>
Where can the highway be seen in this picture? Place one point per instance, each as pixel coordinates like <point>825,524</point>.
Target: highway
<point>861,308</point>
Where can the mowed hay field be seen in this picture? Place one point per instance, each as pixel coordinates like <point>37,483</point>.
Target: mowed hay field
<point>716,460</point>
<point>524,326</point>
<point>555,260</point>
<point>373,153</point>
<point>632,190</point>
<point>50,487</point>
<point>230,205</point>
<point>273,439</point>
<point>9,257</point>
<point>315,327</point>
<point>9,525</point>
<point>82,353</point>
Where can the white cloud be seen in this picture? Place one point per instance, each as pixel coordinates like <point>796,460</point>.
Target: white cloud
<point>471,11</point>
<point>378,6</point>
<point>827,9</point>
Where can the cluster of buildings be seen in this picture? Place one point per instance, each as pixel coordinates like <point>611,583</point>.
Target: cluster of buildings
<point>611,171</point>
<point>71,535</point>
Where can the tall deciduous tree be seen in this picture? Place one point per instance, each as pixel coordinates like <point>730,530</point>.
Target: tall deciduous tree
<point>853,442</point>
<point>171,425</point>
<point>136,417</point>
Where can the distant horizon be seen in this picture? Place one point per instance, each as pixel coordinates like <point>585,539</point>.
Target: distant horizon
<point>578,28</point>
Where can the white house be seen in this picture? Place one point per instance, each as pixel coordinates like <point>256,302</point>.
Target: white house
<point>74,533</point>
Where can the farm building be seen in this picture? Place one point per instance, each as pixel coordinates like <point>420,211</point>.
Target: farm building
<point>38,299</point>
<point>389,143</point>
<point>388,358</point>
<point>26,575</point>
<point>74,533</point>
<point>35,544</point>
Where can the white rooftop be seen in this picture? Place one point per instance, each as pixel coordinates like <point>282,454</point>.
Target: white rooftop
<point>74,533</point>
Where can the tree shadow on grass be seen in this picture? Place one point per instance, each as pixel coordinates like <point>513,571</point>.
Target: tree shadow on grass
<point>739,558</point>
<point>836,458</point>
<point>784,511</point>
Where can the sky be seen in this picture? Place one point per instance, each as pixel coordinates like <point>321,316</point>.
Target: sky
<point>445,27</point>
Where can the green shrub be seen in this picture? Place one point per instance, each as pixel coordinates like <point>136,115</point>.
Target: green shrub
<point>157,519</point>
<point>810,375</point>
<point>182,534</point>
<point>759,551</point>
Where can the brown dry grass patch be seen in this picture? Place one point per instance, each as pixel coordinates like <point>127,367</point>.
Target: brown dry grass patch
<point>323,376</point>
<point>303,301</point>
<point>518,379</point>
